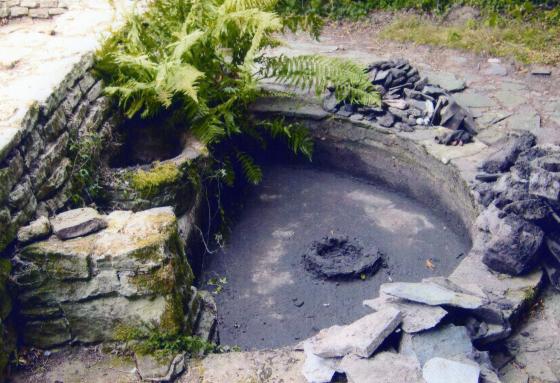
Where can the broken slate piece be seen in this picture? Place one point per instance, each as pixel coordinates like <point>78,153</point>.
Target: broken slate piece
<point>431,294</point>
<point>36,230</point>
<point>385,367</point>
<point>449,341</point>
<point>317,369</point>
<point>77,223</point>
<point>439,370</point>
<point>416,316</point>
<point>361,337</point>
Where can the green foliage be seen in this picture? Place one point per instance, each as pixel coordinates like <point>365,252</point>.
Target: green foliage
<point>355,9</point>
<point>318,73</point>
<point>84,153</point>
<point>151,340</point>
<point>202,59</point>
<point>522,41</point>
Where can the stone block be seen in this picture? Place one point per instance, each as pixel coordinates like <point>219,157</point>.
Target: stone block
<point>56,11</point>
<point>19,11</point>
<point>45,164</point>
<point>39,13</point>
<point>56,125</point>
<point>56,179</point>
<point>29,3</point>
<point>19,197</point>
<point>48,3</point>
<point>31,147</point>
<point>10,173</point>
<point>46,334</point>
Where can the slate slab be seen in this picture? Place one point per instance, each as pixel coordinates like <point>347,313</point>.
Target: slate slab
<point>416,316</point>
<point>77,223</point>
<point>361,337</point>
<point>431,294</point>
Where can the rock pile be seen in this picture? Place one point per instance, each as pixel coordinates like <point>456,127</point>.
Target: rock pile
<point>407,339</point>
<point>408,102</point>
<point>520,187</point>
<point>98,274</point>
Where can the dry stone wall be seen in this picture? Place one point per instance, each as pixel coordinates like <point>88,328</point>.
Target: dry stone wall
<point>36,165</point>
<point>36,9</point>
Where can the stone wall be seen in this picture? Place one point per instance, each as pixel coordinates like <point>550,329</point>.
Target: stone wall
<point>36,164</point>
<point>36,9</point>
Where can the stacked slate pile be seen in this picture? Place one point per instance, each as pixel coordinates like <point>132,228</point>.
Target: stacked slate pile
<point>408,102</point>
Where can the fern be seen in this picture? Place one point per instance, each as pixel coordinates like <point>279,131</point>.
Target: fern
<point>252,171</point>
<point>196,60</point>
<point>317,73</point>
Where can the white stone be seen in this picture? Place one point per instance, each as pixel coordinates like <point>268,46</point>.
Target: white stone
<point>439,370</point>
<point>361,337</point>
<point>385,367</point>
<point>416,316</point>
<point>431,294</point>
<point>38,229</point>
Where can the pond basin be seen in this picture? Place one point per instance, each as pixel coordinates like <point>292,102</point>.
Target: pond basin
<point>270,300</point>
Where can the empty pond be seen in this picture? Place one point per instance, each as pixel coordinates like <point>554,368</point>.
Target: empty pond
<point>271,300</point>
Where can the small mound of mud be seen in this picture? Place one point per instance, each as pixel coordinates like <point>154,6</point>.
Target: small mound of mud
<point>341,258</point>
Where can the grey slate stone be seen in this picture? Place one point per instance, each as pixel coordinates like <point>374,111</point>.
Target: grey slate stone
<point>416,316</point>
<point>77,223</point>
<point>361,337</point>
<point>431,294</point>
<point>449,341</point>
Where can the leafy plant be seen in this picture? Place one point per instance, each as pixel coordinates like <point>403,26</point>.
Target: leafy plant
<point>84,153</point>
<point>148,339</point>
<point>202,59</point>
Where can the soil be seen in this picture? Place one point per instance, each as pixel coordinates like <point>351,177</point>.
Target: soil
<point>270,300</point>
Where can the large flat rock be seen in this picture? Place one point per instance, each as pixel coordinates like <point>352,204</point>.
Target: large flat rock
<point>416,316</point>
<point>431,294</point>
<point>385,367</point>
<point>360,338</point>
<point>268,366</point>
<point>440,370</point>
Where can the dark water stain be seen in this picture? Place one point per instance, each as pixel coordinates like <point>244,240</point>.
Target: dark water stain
<point>270,300</point>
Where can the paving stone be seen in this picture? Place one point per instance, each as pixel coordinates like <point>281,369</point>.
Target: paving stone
<point>431,294</point>
<point>416,316</point>
<point>361,337</point>
<point>474,100</point>
<point>385,367</point>
<point>495,69</point>
<point>439,370</point>
<point>447,81</point>
<point>511,99</point>
<point>526,118</point>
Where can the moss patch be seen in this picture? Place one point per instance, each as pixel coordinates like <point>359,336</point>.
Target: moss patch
<point>150,183</point>
<point>527,42</point>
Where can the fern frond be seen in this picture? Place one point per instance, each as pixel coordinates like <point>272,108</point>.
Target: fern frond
<point>252,171</point>
<point>313,72</point>
<point>184,42</point>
